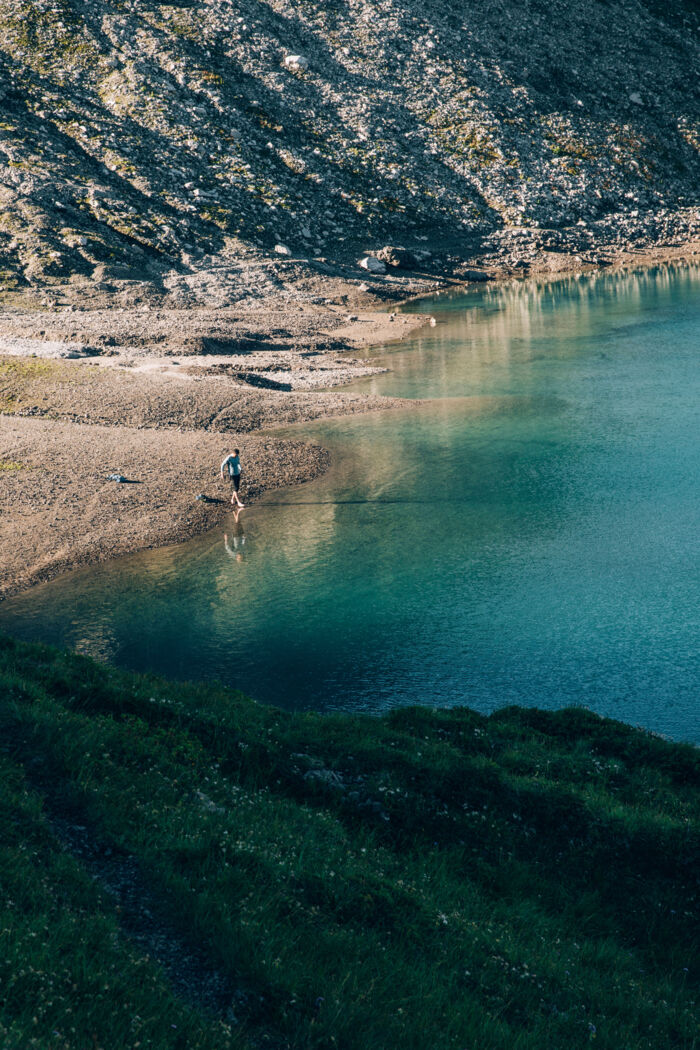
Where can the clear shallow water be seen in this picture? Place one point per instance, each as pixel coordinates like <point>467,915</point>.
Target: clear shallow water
<point>529,536</point>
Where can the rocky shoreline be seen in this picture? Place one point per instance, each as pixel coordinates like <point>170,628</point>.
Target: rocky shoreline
<point>158,397</point>
<point>127,384</point>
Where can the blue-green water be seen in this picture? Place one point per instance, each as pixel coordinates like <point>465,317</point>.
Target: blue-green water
<point>528,536</point>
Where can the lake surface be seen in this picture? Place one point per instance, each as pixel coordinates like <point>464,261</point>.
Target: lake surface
<point>527,536</point>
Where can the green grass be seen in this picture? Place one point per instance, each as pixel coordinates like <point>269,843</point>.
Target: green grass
<point>429,879</point>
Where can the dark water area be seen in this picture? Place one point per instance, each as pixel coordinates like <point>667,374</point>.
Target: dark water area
<point>529,535</point>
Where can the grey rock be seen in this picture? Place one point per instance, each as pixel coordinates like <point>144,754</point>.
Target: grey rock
<point>372,264</point>
<point>328,778</point>
<point>398,257</point>
<point>296,63</point>
<point>475,275</point>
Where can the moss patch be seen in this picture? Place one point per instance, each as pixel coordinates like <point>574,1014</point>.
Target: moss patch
<point>27,368</point>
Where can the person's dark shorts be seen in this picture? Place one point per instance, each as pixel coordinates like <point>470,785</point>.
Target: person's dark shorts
<point>236,479</point>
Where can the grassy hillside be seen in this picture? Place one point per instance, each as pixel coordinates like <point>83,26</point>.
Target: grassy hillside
<point>182,868</point>
<point>141,138</point>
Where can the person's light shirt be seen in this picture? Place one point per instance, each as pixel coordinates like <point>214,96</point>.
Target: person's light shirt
<point>233,464</point>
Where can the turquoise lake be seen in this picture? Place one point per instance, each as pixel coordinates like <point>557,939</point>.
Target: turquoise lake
<point>528,535</point>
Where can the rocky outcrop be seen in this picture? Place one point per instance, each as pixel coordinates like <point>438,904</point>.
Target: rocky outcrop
<point>400,258</point>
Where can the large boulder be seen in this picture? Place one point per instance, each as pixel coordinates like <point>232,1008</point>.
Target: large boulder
<point>475,275</point>
<point>401,258</point>
<point>296,63</point>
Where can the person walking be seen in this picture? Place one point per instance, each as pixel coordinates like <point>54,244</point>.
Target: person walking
<point>232,466</point>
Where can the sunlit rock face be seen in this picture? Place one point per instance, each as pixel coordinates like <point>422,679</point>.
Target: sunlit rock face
<point>145,140</point>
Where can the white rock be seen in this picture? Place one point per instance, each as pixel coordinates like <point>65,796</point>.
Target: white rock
<point>636,99</point>
<point>296,63</point>
<point>282,249</point>
<point>373,265</point>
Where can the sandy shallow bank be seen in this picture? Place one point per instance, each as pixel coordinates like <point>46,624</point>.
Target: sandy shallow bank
<point>66,425</point>
<point>59,510</point>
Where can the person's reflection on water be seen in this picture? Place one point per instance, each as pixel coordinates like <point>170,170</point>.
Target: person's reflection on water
<point>234,548</point>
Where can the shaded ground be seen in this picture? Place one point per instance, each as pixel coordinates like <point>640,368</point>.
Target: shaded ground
<point>424,879</point>
<point>172,143</point>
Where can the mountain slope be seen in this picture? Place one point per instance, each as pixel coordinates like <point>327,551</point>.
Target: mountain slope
<point>145,139</point>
